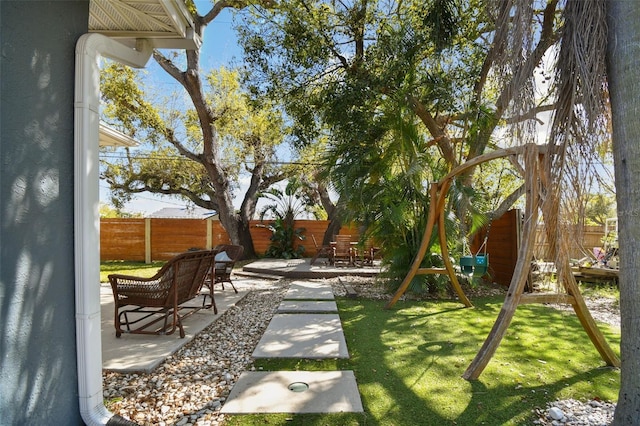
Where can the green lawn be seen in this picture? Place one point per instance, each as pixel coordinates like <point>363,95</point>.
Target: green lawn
<point>138,269</point>
<point>408,362</point>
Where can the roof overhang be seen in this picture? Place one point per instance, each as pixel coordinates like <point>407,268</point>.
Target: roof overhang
<point>113,137</point>
<point>166,24</point>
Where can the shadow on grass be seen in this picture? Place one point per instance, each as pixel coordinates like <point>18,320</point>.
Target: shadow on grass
<point>408,364</point>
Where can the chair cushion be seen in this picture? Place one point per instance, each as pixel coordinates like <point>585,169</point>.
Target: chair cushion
<point>222,257</point>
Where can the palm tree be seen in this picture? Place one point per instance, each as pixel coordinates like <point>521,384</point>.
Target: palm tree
<point>284,207</point>
<point>623,52</point>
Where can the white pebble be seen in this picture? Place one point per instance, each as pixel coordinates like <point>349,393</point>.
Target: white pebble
<point>555,413</point>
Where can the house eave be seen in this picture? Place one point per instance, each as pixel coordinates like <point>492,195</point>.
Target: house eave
<point>166,24</point>
<point>112,137</point>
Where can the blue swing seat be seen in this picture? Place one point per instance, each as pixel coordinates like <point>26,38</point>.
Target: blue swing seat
<point>475,265</point>
<point>480,265</point>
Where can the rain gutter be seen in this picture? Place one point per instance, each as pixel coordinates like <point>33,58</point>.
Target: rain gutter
<point>89,49</point>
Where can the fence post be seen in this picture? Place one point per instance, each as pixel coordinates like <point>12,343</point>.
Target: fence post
<point>209,233</point>
<point>147,240</point>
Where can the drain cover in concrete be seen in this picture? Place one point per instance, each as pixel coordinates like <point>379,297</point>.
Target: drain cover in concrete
<point>303,336</point>
<point>294,392</point>
<point>309,290</point>
<point>307,306</point>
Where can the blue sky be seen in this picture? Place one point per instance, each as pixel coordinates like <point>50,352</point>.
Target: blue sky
<point>220,42</point>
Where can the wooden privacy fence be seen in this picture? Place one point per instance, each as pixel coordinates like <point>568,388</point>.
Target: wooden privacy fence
<point>146,240</point>
<point>150,239</point>
<point>504,241</point>
<point>581,244</point>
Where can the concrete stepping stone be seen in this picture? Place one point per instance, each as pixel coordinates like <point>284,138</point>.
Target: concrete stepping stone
<point>294,392</point>
<point>307,306</point>
<point>312,336</point>
<point>309,291</point>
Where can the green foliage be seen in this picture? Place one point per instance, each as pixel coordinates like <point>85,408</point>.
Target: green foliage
<point>336,64</point>
<point>600,207</point>
<point>442,20</point>
<point>385,189</point>
<point>493,182</point>
<point>600,290</point>
<point>289,204</point>
<point>282,238</point>
<point>286,206</point>
<point>107,211</point>
<point>172,159</point>
<point>125,101</point>
<point>402,94</point>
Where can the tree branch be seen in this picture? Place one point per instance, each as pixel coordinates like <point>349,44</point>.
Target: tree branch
<point>531,114</point>
<point>130,186</point>
<point>439,135</point>
<point>170,135</point>
<point>508,202</point>
<point>219,6</point>
<point>167,65</point>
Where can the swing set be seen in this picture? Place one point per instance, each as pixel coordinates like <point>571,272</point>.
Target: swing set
<point>539,195</point>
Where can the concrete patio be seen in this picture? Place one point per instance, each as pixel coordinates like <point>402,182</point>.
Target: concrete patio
<point>137,352</point>
<point>143,353</point>
<point>301,268</point>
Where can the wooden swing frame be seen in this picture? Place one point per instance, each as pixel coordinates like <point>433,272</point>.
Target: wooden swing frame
<point>535,180</point>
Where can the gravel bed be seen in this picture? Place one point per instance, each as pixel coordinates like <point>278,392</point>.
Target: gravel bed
<point>572,412</point>
<point>190,387</point>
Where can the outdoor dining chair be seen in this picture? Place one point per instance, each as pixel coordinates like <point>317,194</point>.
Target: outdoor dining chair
<point>226,257</point>
<point>321,251</point>
<point>342,251</point>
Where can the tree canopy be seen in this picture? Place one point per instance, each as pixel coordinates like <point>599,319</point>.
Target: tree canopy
<point>384,97</point>
<point>403,92</point>
<point>179,157</point>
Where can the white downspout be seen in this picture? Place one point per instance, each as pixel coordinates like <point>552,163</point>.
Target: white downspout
<point>89,49</point>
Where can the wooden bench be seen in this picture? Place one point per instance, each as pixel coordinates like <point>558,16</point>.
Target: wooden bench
<point>351,293</point>
<point>155,305</point>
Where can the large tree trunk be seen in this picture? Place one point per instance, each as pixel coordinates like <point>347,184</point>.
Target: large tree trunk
<point>335,222</point>
<point>623,61</point>
<point>332,230</point>
<point>245,240</point>
<point>239,233</point>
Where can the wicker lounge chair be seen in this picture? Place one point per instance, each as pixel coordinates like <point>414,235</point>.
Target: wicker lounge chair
<point>155,305</point>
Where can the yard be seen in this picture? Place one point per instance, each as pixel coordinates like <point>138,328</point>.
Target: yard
<point>408,362</point>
